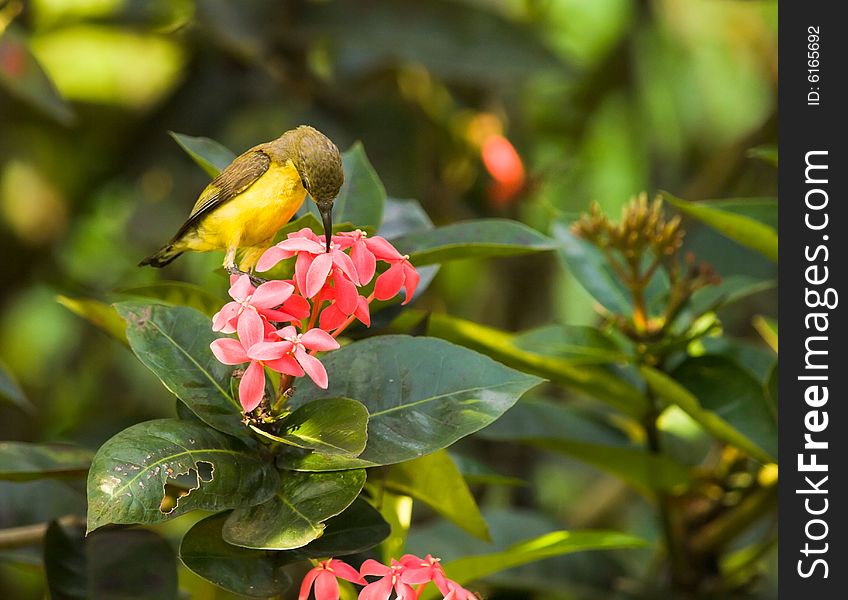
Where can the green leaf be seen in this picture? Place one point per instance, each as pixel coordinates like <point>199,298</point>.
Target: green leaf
<point>359,528</point>
<point>135,474</point>
<point>101,315</point>
<point>295,515</point>
<point>599,382</point>
<point>668,390</point>
<point>592,270</point>
<point>118,563</point>
<point>470,239</point>
<point>177,293</point>
<point>252,573</point>
<point>478,473</point>
<point>403,216</point>
<point>11,392</point>
<point>173,342</point>
<point>767,328</point>
<point>577,344</point>
<point>422,394</point>
<point>556,543</point>
<point>329,426</point>
<point>731,290</point>
<point>740,399</point>
<point>436,481</point>
<point>211,156</point>
<point>739,228</point>
<point>362,198</point>
<point>22,76</point>
<point>22,461</point>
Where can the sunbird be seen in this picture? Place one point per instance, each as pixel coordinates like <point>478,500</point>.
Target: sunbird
<point>255,195</point>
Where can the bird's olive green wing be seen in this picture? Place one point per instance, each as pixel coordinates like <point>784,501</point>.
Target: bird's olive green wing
<point>229,183</point>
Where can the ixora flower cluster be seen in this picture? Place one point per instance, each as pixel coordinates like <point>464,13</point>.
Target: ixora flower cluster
<point>399,576</point>
<point>281,324</point>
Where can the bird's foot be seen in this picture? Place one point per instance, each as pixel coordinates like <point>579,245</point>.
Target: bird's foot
<point>234,270</point>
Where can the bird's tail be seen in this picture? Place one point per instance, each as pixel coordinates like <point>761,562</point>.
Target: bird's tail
<point>162,257</point>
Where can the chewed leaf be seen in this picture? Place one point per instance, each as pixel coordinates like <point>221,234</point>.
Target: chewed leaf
<point>159,469</point>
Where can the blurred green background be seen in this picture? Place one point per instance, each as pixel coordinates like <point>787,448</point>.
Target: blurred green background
<point>600,99</point>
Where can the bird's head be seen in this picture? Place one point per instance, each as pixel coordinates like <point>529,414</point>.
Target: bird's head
<point>319,163</point>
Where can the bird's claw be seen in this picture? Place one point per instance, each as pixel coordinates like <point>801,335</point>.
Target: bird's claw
<point>234,270</point>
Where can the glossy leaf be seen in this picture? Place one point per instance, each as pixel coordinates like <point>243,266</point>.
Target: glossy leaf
<point>295,515</point>
<point>329,426</point>
<point>253,573</point>
<point>11,392</point>
<point>359,528</point>
<point>732,289</point>
<point>101,315</point>
<point>740,399</point>
<point>591,269</point>
<point>739,228</point>
<point>402,217</point>
<point>470,239</point>
<point>668,390</point>
<point>177,293</point>
<point>577,344</point>
<point>173,342</point>
<point>22,461</point>
<point>22,76</point>
<point>599,382</point>
<point>436,481</point>
<point>117,563</point>
<point>211,156</point>
<point>362,198</point>
<point>422,395</point>
<point>556,543</point>
<point>203,467</point>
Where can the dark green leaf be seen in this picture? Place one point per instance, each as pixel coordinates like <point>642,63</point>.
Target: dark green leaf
<point>119,564</point>
<point>739,228</point>
<point>359,528</point>
<point>21,461</point>
<point>11,392</point>
<point>740,399</point>
<point>211,156</point>
<point>668,390</point>
<point>402,217</point>
<point>177,293</point>
<point>422,395</point>
<point>295,515</point>
<point>435,480</point>
<point>589,266</point>
<point>136,474</point>
<point>329,426</point>
<point>478,473</point>
<point>22,76</point>
<point>173,342</point>
<point>99,314</point>
<point>470,239</point>
<point>253,573</point>
<point>731,289</point>
<point>574,343</point>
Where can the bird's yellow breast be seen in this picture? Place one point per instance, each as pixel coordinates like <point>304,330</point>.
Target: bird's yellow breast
<point>252,217</point>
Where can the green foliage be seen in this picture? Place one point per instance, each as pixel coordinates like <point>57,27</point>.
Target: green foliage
<point>10,390</point>
<point>211,156</point>
<point>21,461</point>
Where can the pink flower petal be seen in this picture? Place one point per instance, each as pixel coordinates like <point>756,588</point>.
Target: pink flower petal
<point>382,249</point>
<point>362,312</point>
<point>332,318</point>
<point>271,294</point>
<point>271,257</point>
<point>242,288</point>
<point>410,281</point>
<point>229,351</point>
<point>306,586</point>
<point>346,572</point>
<point>317,339</point>
<point>346,293</point>
<point>416,575</point>
<point>364,261</point>
<point>389,283</point>
<point>316,277</point>
<point>379,590</point>
<point>326,586</point>
<point>251,329</point>
<point>313,367</point>
<point>286,365</point>
<point>287,332</point>
<point>297,306</point>
<point>252,386</point>
<point>301,244</point>
<point>343,262</point>
<point>222,318</point>
<point>268,350</point>
<point>301,268</point>
<point>279,316</point>
<point>373,567</point>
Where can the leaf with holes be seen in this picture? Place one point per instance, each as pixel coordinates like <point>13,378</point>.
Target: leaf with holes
<point>157,470</point>
<point>295,515</point>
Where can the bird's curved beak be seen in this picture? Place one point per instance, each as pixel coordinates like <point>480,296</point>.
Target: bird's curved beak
<point>326,210</point>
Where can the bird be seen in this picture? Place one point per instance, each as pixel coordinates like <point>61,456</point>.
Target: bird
<point>256,195</point>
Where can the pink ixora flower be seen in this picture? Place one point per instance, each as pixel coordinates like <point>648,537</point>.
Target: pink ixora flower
<point>297,344</point>
<point>429,568</point>
<point>401,274</point>
<point>395,576</point>
<point>324,576</point>
<point>251,347</point>
<point>264,301</point>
